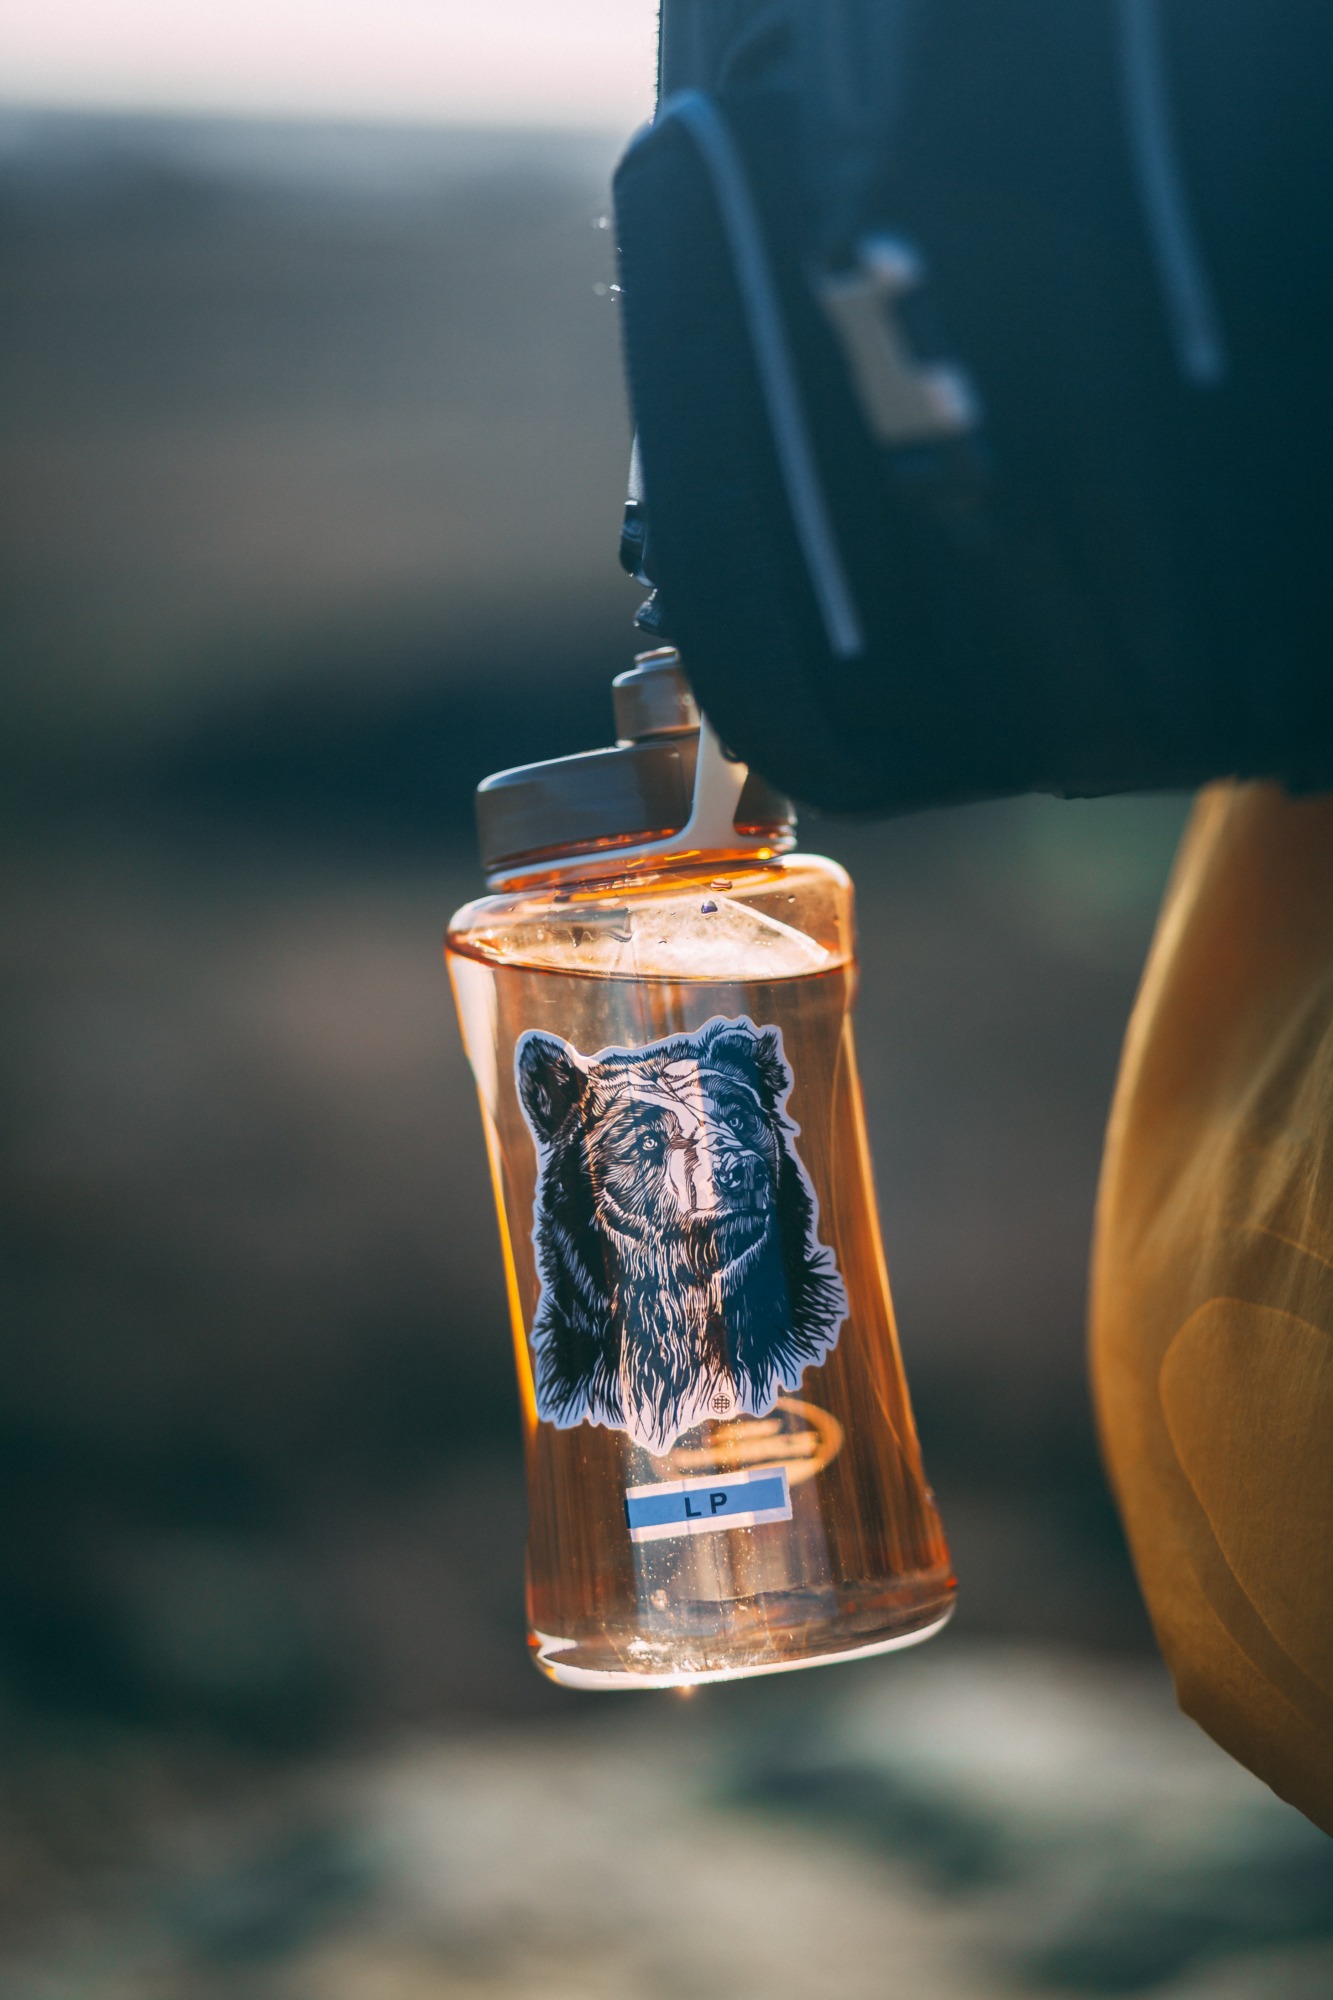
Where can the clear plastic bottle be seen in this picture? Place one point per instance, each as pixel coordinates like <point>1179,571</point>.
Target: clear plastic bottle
<point>723,1473</point>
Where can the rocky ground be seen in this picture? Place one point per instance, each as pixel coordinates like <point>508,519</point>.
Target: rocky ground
<point>967,1824</point>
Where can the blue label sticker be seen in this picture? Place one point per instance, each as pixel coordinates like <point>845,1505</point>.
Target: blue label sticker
<point>701,1506</point>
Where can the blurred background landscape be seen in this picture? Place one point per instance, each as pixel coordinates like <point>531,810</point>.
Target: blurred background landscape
<point>314,449</point>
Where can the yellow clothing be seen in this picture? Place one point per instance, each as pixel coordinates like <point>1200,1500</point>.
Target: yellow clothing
<point>1212,1296</point>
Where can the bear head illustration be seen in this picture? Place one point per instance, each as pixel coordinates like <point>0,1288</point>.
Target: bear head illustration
<point>676,1230</point>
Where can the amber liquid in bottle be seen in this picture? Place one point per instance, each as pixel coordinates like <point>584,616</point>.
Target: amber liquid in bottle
<point>861,1565</point>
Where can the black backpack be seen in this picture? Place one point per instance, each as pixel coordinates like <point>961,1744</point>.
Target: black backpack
<point>979,357</point>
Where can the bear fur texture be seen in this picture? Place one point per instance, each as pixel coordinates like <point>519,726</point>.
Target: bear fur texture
<point>682,1276</point>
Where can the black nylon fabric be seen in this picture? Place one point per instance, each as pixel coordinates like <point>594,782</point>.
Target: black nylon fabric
<point>1121,580</point>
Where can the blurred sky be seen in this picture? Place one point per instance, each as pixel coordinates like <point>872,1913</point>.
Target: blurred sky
<point>539,62</point>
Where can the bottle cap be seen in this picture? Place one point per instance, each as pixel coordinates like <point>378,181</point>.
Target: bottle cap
<point>641,791</point>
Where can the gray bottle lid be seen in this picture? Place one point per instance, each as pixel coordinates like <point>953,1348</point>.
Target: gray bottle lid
<point>641,789</point>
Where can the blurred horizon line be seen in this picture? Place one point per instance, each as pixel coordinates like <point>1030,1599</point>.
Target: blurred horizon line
<point>19,112</point>
<point>362,155</point>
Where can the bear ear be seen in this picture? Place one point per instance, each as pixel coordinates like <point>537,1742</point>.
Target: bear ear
<point>728,1045</point>
<point>551,1080</point>
<point>755,1054</point>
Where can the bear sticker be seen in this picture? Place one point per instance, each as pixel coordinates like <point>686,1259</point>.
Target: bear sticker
<point>676,1230</point>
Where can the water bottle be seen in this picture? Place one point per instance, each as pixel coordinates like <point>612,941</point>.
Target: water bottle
<point>723,1474</point>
